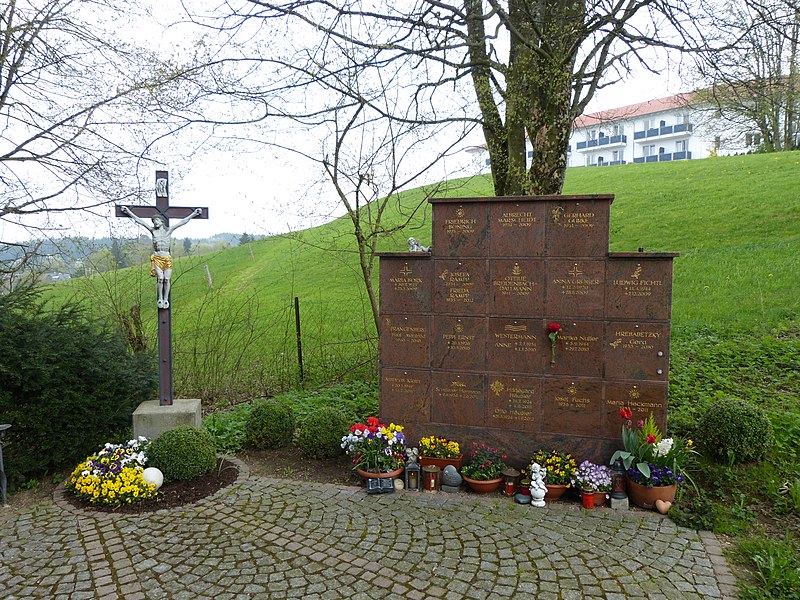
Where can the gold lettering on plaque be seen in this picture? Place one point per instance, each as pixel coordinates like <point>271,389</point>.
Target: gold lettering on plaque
<point>406,283</point>
<point>519,404</point>
<point>635,340</point>
<point>578,343</point>
<point>515,337</point>
<point>402,384</point>
<point>520,219</point>
<point>556,214</point>
<point>497,387</point>
<point>576,286</point>
<point>458,340</point>
<point>515,284</point>
<point>459,286</point>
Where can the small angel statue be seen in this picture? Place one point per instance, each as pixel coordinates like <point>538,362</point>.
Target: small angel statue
<point>538,489</point>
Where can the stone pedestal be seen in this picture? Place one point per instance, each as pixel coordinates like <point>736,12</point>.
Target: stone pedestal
<point>151,420</point>
<point>620,503</point>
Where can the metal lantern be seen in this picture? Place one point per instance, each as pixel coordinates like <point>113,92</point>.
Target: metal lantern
<point>618,480</point>
<point>413,478</point>
<point>3,481</point>
<point>510,481</point>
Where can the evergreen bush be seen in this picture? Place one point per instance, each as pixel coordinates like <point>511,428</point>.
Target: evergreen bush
<point>320,433</point>
<point>68,385</point>
<point>735,431</point>
<point>270,425</point>
<point>182,453</point>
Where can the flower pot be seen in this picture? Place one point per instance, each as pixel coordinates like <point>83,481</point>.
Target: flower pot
<point>587,499</point>
<point>484,486</point>
<point>645,497</point>
<point>554,491</point>
<point>525,487</point>
<point>442,462</point>
<point>388,474</point>
<point>600,498</point>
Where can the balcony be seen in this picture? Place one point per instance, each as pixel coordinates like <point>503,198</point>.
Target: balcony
<point>609,164</point>
<point>664,157</point>
<point>613,141</point>
<point>666,132</point>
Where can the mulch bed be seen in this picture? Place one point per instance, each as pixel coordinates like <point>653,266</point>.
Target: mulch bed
<point>172,494</point>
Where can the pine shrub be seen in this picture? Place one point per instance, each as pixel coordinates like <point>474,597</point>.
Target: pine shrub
<point>735,431</point>
<point>182,453</point>
<point>270,425</point>
<point>320,433</point>
<point>68,385</point>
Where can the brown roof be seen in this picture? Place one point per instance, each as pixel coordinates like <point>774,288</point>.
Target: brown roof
<point>634,110</point>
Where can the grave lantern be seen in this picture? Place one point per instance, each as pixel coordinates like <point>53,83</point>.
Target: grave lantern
<point>412,479</point>
<point>510,481</point>
<point>433,477</point>
<point>3,481</point>
<point>618,480</point>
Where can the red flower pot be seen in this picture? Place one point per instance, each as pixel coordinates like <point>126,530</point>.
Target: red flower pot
<point>442,462</point>
<point>484,486</point>
<point>587,498</point>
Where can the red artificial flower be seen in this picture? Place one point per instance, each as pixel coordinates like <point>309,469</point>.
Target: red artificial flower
<point>651,439</point>
<point>554,328</point>
<point>625,413</point>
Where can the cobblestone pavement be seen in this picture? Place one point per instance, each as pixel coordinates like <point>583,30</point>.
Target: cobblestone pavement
<point>268,538</point>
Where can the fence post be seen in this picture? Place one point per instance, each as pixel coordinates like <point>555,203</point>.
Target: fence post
<point>297,331</point>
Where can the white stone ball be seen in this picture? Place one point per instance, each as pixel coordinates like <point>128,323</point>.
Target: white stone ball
<point>153,475</point>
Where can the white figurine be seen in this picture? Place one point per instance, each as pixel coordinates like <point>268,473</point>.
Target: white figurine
<point>538,489</point>
<point>415,246</point>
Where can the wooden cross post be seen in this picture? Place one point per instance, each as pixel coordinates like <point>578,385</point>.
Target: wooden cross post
<point>162,267</point>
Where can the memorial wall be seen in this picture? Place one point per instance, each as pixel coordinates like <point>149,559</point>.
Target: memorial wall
<point>464,345</point>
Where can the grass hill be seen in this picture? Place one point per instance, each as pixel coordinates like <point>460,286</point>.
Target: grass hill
<point>735,221</point>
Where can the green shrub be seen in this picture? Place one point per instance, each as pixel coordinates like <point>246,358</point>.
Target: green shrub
<point>735,431</point>
<point>182,453</point>
<point>68,385</point>
<point>320,433</point>
<point>270,425</point>
<point>228,428</point>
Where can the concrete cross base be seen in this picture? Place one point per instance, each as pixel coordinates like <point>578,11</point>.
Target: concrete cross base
<point>151,420</point>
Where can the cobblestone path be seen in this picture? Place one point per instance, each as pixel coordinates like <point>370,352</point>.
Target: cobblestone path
<point>267,538</point>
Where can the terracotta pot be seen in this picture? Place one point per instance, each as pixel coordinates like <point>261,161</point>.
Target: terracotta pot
<point>600,498</point>
<point>371,475</point>
<point>442,462</point>
<point>484,486</point>
<point>554,492</point>
<point>645,497</point>
<point>587,499</point>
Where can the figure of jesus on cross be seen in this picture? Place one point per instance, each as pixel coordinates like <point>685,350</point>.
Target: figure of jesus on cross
<point>161,260</point>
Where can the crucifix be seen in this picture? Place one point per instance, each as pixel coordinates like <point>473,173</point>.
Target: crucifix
<point>161,267</point>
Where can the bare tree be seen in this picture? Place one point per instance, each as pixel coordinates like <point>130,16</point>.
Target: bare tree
<point>517,68</point>
<point>753,82</point>
<point>80,112</point>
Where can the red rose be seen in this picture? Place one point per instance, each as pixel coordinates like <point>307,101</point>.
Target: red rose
<point>554,328</point>
<point>625,413</point>
<point>651,439</point>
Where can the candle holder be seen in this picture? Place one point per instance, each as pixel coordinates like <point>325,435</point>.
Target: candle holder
<point>510,476</point>
<point>432,475</point>
<point>618,480</point>
<point>413,477</point>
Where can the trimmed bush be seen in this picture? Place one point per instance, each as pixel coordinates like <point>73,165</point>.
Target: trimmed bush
<point>735,431</point>
<point>68,385</point>
<point>320,433</point>
<point>182,453</point>
<point>270,425</point>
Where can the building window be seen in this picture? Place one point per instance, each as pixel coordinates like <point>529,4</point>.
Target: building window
<point>648,150</point>
<point>488,163</point>
<point>600,161</point>
<point>717,142</point>
<point>530,153</point>
<point>593,134</point>
<point>748,139</point>
<point>680,146</point>
<point>616,130</point>
<point>615,156</point>
<point>647,124</point>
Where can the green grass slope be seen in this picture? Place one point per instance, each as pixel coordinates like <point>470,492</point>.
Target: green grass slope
<point>735,221</point>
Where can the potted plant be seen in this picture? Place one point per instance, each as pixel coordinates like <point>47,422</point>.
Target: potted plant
<point>483,471</point>
<point>655,464</point>
<point>377,450</point>
<point>439,451</point>
<point>592,480</point>
<point>560,467</point>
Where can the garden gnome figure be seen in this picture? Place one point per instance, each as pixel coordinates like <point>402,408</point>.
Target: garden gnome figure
<point>538,489</point>
<point>161,260</point>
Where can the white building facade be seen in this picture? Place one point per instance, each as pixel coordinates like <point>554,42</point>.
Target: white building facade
<point>659,130</point>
